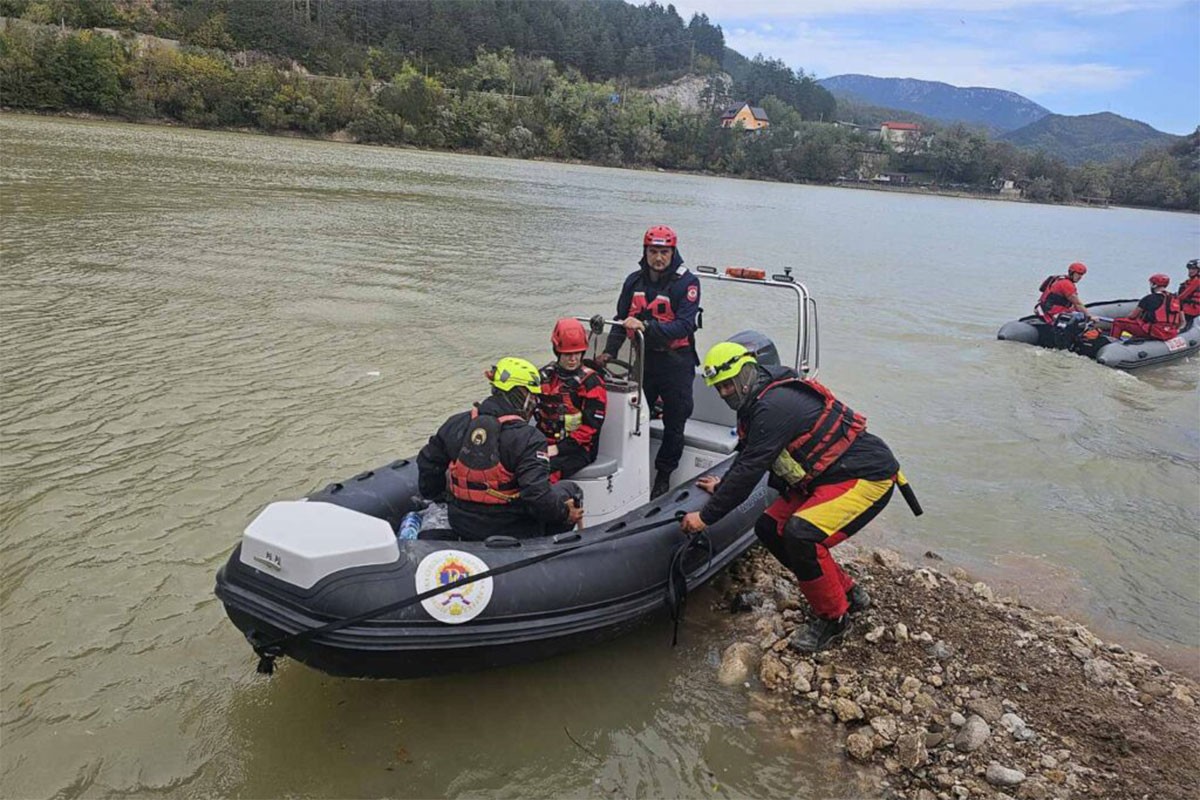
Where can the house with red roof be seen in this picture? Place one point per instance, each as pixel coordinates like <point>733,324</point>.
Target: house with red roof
<point>903,136</point>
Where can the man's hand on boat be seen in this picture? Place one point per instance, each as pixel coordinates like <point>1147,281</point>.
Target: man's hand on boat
<point>691,523</point>
<point>574,511</point>
<point>708,483</point>
<point>634,324</point>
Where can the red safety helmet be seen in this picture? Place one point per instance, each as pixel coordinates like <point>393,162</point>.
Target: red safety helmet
<point>1158,280</point>
<point>568,337</point>
<point>660,236</point>
<point>1079,267</point>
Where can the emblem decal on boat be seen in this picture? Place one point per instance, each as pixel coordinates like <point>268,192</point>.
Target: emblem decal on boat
<point>458,605</point>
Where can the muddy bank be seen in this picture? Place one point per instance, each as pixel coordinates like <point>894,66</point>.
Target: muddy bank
<point>942,690</point>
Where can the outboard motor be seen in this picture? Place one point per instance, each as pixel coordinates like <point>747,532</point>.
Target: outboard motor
<point>1067,328</point>
<point>758,344</point>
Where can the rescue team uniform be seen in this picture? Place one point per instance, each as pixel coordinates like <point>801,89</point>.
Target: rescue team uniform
<point>1159,318</point>
<point>669,310</point>
<point>1057,291</point>
<point>570,412</point>
<point>1189,298</point>
<point>492,468</point>
<point>833,477</point>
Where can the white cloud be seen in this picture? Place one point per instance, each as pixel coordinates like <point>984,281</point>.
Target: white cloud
<point>1040,66</point>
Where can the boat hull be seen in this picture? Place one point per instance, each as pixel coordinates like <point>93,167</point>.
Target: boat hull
<point>581,598</point>
<point>1127,355</point>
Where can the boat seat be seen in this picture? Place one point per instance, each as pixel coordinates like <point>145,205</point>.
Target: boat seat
<point>602,467</point>
<point>702,435</point>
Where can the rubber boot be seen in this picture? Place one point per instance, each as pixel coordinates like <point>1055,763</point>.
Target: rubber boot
<point>858,599</point>
<point>662,484</point>
<point>819,634</point>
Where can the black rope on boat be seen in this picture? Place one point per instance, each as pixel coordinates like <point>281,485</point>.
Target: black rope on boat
<point>677,578</point>
<point>268,651</point>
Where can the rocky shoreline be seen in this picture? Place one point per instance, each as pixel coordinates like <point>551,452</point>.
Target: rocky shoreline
<point>945,691</point>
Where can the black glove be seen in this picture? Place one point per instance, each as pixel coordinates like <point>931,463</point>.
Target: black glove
<point>597,324</point>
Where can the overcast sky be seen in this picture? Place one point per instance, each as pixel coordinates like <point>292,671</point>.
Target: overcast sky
<point>1136,58</point>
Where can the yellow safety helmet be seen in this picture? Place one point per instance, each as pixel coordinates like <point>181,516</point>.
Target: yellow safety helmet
<point>510,372</point>
<point>724,361</point>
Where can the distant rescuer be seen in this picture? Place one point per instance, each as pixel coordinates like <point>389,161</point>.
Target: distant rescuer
<point>833,477</point>
<point>1189,292</point>
<point>570,410</point>
<point>492,465</point>
<point>662,300</point>
<point>1060,296</point>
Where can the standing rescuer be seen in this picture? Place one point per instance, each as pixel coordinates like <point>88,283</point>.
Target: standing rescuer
<point>662,300</point>
<point>492,467</point>
<point>1189,292</point>
<point>833,477</point>
<point>570,410</point>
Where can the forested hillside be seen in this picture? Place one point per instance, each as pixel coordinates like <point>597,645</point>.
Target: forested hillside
<point>555,79</point>
<point>1089,137</point>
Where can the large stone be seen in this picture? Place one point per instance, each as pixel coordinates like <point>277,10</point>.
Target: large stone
<point>1099,671</point>
<point>910,750</point>
<point>773,673</point>
<point>885,726</point>
<point>859,746</point>
<point>738,662</point>
<point>973,734</point>
<point>987,707</point>
<point>997,775</point>
<point>846,710</point>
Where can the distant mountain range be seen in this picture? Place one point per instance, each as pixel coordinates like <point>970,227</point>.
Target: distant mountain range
<point>995,109</point>
<point>1007,115</point>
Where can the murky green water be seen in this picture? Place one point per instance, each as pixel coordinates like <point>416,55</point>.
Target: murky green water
<point>193,324</point>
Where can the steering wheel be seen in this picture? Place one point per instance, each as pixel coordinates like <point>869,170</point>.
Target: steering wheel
<point>605,370</point>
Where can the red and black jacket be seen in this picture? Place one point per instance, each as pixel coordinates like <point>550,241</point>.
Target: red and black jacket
<point>1189,297</point>
<point>1052,303</point>
<point>1161,311</point>
<point>580,394</point>
<point>669,308</point>
<point>827,438</point>
<point>521,466</point>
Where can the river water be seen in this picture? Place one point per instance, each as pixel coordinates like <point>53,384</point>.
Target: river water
<point>195,323</point>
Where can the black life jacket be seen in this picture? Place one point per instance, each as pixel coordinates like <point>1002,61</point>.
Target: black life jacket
<point>476,475</point>
<point>816,449</point>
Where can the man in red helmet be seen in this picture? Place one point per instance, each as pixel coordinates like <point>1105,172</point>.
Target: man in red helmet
<point>571,407</point>
<point>1059,295</point>
<point>1157,315</point>
<point>662,300</point>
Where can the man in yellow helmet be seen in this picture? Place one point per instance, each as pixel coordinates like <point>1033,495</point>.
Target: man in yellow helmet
<point>832,476</point>
<point>492,467</point>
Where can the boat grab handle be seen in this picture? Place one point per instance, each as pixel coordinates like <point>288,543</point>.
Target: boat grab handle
<point>501,541</point>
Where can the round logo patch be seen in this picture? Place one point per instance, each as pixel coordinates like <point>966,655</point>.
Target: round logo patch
<point>460,604</point>
<point>693,293</point>
<point>478,436</point>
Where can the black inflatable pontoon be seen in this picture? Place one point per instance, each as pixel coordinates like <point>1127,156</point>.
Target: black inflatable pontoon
<point>325,580</point>
<point>1123,354</point>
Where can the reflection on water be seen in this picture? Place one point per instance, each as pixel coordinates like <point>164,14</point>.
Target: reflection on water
<point>196,323</point>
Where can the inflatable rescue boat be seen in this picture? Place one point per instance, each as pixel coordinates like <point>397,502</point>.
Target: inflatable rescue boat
<point>326,581</point>
<point>1066,334</point>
